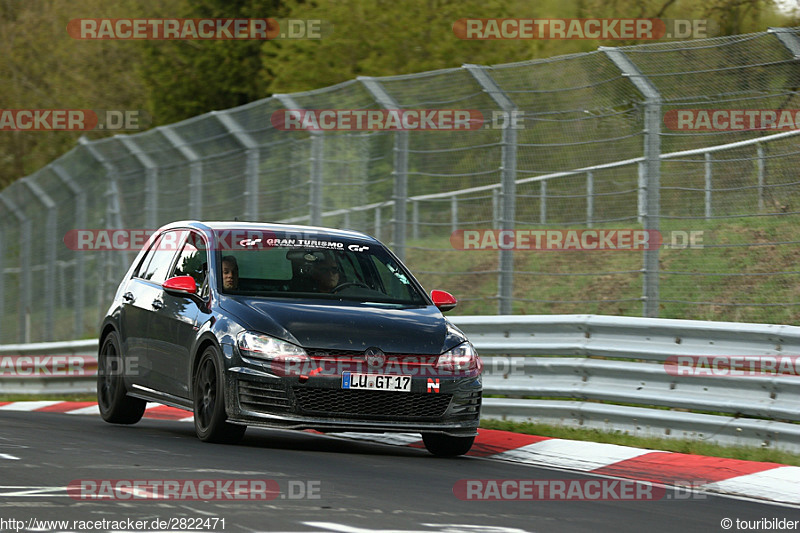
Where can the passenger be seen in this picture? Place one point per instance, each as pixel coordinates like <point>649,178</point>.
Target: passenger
<point>230,273</point>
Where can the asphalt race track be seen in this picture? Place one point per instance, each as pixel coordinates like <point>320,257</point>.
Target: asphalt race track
<point>359,486</point>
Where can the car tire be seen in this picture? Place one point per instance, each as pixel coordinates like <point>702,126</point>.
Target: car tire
<point>446,445</point>
<point>210,419</point>
<point>115,405</point>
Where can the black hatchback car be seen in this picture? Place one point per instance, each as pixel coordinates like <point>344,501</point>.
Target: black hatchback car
<point>286,327</point>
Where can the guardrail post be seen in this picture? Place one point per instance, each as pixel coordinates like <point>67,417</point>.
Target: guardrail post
<point>25,267</point>
<point>253,160</point>
<point>708,184</point>
<point>80,263</point>
<point>195,170</point>
<point>150,181</point>
<point>651,217</point>
<point>400,170</point>
<point>508,182</point>
<point>315,160</point>
<point>51,241</point>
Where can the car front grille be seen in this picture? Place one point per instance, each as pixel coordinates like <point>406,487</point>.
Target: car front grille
<point>371,404</point>
<point>261,396</point>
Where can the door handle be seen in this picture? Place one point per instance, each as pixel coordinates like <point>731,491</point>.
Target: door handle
<point>158,304</point>
<point>128,297</point>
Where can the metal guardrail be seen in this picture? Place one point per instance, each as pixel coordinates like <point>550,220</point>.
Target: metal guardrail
<point>638,395</point>
<point>658,403</point>
<point>72,372</point>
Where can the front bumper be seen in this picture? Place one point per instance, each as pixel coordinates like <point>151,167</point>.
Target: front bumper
<point>320,402</point>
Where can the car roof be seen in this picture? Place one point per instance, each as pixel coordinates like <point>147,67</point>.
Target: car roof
<point>266,226</point>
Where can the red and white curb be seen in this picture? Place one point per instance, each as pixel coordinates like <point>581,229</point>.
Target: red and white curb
<point>749,479</point>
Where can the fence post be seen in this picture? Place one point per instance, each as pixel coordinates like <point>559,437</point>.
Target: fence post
<point>195,170</point>
<point>24,265</point>
<point>508,182</point>
<point>543,202</point>
<point>708,183</point>
<point>761,176</point>
<point>400,170</point>
<point>453,214</point>
<point>51,241</point>
<point>2,282</point>
<point>589,199</point>
<point>80,266</point>
<point>150,181</point>
<point>113,219</point>
<point>652,177</point>
<point>415,219</point>
<point>641,208</point>
<point>378,222</point>
<point>315,160</point>
<point>495,209</point>
<point>253,160</point>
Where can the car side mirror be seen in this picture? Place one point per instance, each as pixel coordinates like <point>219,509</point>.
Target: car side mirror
<point>180,285</point>
<point>443,300</point>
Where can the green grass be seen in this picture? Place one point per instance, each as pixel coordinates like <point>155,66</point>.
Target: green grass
<point>745,453</point>
<point>48,398</point>
<point>561,282</point>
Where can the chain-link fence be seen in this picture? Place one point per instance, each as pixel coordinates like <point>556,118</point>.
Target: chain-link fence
<point>594,149</point>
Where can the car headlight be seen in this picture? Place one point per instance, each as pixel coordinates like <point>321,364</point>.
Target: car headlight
<point>265,347</point>
<point>462,357</point>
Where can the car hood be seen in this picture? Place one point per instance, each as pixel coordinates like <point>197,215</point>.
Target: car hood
<point>348,326</point>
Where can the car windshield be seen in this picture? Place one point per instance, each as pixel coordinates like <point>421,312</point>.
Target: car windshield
<point>328,269</point>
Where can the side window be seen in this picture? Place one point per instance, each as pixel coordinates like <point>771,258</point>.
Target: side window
<point>192,260</point>
<point>163,251</point>
<point>145,261</point>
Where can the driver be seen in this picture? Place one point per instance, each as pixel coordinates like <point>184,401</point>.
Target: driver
<point>326,274</point>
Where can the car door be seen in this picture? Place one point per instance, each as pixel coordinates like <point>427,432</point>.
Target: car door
<point>135,308</point>
<point>144,301</point>
<point>174,325</point>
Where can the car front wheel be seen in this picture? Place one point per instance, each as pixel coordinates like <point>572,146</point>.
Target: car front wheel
<point>446,445</point>
<point>210,420</point>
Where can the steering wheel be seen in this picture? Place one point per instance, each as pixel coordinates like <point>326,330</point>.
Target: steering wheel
<point>348,284</point>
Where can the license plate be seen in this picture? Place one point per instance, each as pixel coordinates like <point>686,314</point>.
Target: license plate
<point>376,382</point>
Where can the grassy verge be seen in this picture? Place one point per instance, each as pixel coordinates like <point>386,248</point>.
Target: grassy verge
<point>48,398</point>
<point>671,445</point>
<point>744,270</point>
